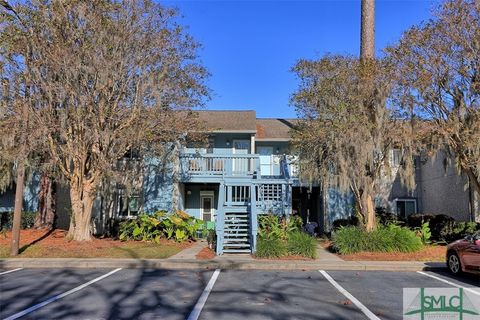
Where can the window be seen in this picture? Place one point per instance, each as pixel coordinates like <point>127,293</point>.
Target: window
<point>395,157</point>
<point>406,207</point>
<point>241,146</point>
<point>211,144</point>
<point>128,206</point>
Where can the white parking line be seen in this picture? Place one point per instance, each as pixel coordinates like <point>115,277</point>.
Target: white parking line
<point>370,315</point>
<point>449,282</point>
<point>59,296</point>
<point>9,271</point>
<point>203,298</point>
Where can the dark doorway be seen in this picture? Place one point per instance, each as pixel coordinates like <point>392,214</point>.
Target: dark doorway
<point>306,203</point>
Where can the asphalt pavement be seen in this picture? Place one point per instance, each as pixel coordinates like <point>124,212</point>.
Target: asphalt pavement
<point>70,293</point>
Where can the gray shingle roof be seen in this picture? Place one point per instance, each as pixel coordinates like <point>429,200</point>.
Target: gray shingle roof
<point>274,129</point>
<point>246,121</point>
<point>229,121</point>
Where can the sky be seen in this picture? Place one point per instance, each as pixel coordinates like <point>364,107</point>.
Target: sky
<point>249,47</point>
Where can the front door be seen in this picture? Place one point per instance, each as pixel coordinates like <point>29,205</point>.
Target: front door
<point>207,209</point>
<point>265,160</point>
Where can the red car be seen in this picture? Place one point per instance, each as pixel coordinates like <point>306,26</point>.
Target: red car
<point>464,255</point>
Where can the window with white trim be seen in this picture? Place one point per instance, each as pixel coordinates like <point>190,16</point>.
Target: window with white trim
<point>395,157</point>
<point>128,206</point>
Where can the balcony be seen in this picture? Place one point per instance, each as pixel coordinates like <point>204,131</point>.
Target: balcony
<point>210,166</point>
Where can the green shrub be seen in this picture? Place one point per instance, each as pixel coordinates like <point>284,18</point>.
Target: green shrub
<point>424,233</point>
<point>350,239</point>
<point>269,227</point>
<point>272,226</point>
<point>351,221</point>
<point>178,226</point>
<point>27,221</point>
<point>385,217</point>
<point>270,248</point>
<point>143,228</point>
<point>454,230</point>
<point>438,224</point>
<point>302,244</point>
<point>392,238</point>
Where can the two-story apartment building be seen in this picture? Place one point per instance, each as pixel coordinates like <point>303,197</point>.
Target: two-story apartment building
<point>246,169</point>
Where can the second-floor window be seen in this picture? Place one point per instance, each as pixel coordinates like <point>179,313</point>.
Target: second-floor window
<point>241,146</point>
<point>395,157</point>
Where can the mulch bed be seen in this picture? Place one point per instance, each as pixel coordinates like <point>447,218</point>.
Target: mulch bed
<point>205,254</point>
<point>288,258</point>
<point>43,240</point>
<point>428,253</point>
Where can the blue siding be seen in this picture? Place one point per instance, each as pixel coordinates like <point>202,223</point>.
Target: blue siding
<point>281,146</point>
<point>192,201</point>
<point>30,195</point>
<point>339,205</point>
<point>220,142</point>
<point>157,186</point>
<point>7,199</point>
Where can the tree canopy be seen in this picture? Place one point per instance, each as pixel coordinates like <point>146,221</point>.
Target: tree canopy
<point>106,77</point>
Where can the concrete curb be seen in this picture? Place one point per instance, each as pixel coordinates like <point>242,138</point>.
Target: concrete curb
<point>229,264</point>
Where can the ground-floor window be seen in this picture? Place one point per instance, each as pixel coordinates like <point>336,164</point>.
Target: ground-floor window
<point>406,207</point>
<point>128,206</point>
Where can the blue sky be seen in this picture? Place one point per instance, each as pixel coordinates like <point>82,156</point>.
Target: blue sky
<point>249,47</point>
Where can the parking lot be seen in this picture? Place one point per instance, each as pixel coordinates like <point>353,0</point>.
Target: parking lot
<point>210,294</point>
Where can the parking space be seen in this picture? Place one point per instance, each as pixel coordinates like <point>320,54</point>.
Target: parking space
<point>127,294</point>
<point>172,294</point>
<point>381,292</point>
<point>276,295</point>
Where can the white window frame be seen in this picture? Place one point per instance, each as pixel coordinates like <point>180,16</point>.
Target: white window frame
<point>129,214</point>
<point>395,161</point>
<point>241,140</point>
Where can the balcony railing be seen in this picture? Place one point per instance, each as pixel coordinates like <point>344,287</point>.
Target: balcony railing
<point>211,165</point>
<point>218,165</point>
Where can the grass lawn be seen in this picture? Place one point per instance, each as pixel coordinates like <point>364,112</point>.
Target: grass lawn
<point>52,244</point>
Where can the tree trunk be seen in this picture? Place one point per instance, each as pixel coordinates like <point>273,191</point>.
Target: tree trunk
<point>370,214</point>
<point>17,212</point>
<point>45,216</point>
<point>82,199</point>
<point>474,180</point>
<point>367,33</point>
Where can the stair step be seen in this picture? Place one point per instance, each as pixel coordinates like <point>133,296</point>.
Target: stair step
<point>230,230</point>
<point>233,239</point>
<point>236,250</point>
<point>241,245</point>
<point>236,235</point>
<point>236,243</point>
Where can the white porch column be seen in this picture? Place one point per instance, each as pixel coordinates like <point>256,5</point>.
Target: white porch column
<point>252,144</point>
